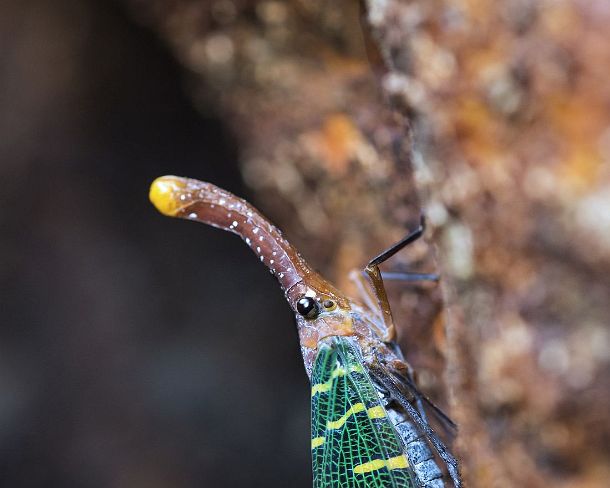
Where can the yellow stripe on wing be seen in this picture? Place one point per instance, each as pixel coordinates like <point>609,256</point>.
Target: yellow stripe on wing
<point>373,413</point>
<point>397,462</point>
<point>340,371</point>
<point>317,442</point>
<point>337,424</point>
<point>377,412</point>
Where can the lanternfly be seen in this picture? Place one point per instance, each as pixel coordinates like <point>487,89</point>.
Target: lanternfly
<point>368,422</point>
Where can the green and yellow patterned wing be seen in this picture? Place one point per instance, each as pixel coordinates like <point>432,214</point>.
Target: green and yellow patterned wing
<point>353,442</point>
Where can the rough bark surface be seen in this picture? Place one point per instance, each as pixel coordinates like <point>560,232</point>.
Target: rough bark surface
<point>509,107</point>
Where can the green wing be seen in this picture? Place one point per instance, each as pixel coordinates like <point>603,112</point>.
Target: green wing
<point>353,442</point>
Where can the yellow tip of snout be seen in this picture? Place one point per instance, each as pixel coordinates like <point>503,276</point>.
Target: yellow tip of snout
<point>165,194</point>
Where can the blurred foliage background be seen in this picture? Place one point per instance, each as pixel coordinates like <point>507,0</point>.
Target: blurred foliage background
<point>141,351</point>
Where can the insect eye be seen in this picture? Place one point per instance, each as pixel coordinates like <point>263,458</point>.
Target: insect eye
<point>307,307</point>
<point>329,305</point>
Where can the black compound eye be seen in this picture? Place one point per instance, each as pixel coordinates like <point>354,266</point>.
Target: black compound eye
<point>307,307</point>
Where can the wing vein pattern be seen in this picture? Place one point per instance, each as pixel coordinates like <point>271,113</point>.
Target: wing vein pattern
<point>353,442</point>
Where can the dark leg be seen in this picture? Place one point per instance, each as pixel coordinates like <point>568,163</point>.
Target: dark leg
<point>448,424</point>
<point>375,276</point>
<point>412,277</point>
<point>412,237</point>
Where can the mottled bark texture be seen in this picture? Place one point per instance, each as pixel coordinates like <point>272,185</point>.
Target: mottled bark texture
<point>508,106</point>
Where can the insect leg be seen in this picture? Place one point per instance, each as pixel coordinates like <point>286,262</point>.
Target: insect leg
<point>411,277</point>
<point>376,279</point>
<point>411,237</point>
<point>364,290</point>
<point>438,412</point>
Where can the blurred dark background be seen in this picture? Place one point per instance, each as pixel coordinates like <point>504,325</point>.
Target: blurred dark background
<point>132,353</point>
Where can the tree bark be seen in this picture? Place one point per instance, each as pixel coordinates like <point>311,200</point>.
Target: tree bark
<point>492,116</point>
